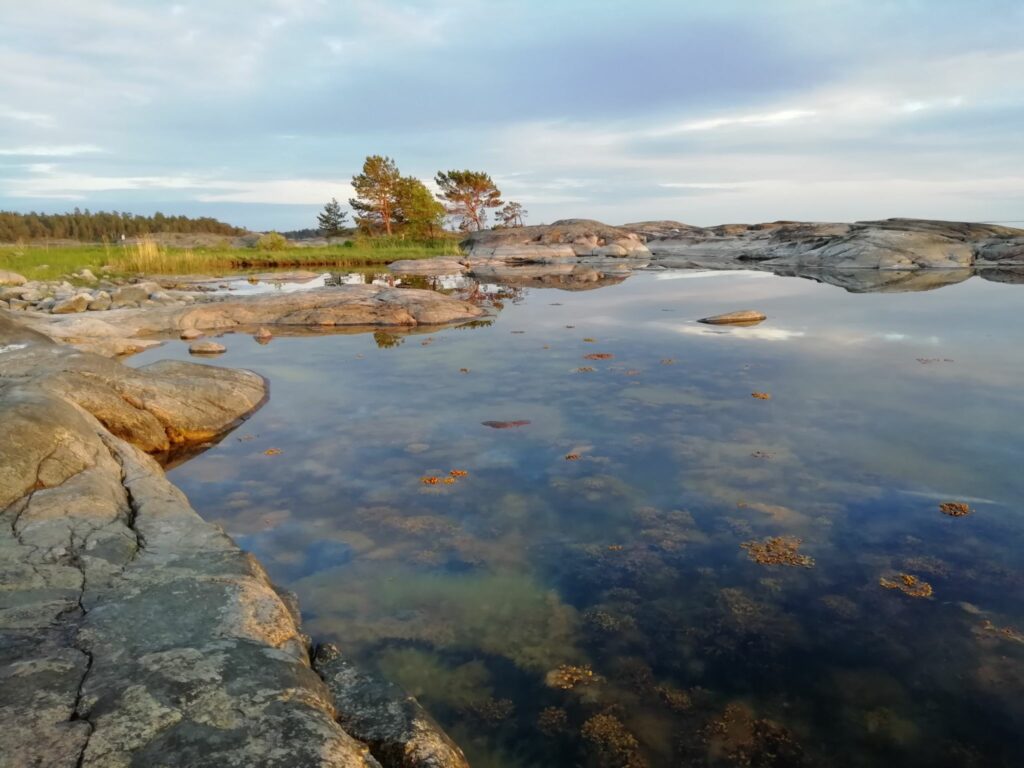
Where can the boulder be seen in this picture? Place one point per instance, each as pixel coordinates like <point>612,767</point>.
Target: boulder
<point>100,302</point>
<point>190,334</point>
<point>76,303</point>
<point>11,278</point>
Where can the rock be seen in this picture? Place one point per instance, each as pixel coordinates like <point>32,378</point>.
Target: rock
<point>263,335</point>
<point>398,731</point>
<point>206,348</point>
<point>4,304</point>
<point>18,304</point>
<point>562,240</point>
<point>137,293</point>
<point>741,317</point>
<point>11,278</point>
<point>190,334</point>
<point>86,274</point>
<point>77,303</point>
<point>132,632</point>
<point>100,303</point>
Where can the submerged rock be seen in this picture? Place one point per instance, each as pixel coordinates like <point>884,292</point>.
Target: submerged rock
<point>398,731</point>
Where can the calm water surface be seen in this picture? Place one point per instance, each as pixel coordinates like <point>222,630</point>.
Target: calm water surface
<point>581,596</point>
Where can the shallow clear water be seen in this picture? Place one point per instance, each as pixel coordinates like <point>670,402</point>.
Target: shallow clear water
<point>627,558</point>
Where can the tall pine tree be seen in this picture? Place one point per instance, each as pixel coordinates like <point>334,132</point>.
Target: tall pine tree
<point>331,220</point>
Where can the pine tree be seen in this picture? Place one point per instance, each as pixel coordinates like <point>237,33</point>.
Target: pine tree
<point>512,214</point>
<point>377,189</point>
<point>331,220</point>
<point>418,213</point>
<point>468,195</point>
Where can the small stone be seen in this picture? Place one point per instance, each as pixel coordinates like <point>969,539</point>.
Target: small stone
<point>87,275</point>
<point>206,348</point>
<point>742,317</point>
<point>263,335</point>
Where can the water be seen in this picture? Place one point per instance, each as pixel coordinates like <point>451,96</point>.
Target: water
<point>602,541</point>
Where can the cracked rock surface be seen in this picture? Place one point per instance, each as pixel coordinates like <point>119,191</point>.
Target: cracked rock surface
<point>133,633</point>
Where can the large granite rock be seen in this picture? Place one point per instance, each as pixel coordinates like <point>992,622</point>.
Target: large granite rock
<point>11,278</point>
<point>132,633</point>
<point>564,239</point>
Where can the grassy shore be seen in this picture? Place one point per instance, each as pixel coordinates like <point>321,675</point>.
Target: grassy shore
<point>39,262</point>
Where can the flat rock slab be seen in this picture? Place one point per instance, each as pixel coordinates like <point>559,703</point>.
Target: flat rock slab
<point>741,317</point>
<point>206,348</point>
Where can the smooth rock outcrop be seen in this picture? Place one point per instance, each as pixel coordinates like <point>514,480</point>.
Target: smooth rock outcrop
<point>132,632</point>
<point>562,240</point>
<point>206,348</point>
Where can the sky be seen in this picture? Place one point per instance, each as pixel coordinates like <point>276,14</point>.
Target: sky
<point>259,111</point>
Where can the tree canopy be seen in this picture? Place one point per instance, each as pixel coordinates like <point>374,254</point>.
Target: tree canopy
<point>468,195</point>
<point>512,215</point>
<point>418,213</point>
<point>377,189</point>
<point>88,226</point>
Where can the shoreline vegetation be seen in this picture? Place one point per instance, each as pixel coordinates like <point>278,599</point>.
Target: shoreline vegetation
<point>149,255</point>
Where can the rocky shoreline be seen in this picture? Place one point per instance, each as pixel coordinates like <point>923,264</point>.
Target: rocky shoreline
<point>889,255</point>
<point>132,632</point>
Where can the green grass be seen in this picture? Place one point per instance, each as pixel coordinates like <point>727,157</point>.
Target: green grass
<point>48,263</point>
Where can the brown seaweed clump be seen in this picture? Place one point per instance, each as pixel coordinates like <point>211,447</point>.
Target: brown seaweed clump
<point>572,457</point>
<point>568,676</point>
<point>599,356</point>
<point>585,369</point>
<point>908,585</point>
<point>552,720</point>
<point>430,480</point>
<point>611,743</point>
<point>674,699</point>
<point>778,550</point>
<point>760,396</point>
<point>954,509</point>
<point>1007,633</point>
<point>491,710</point>
<point>739,738</point>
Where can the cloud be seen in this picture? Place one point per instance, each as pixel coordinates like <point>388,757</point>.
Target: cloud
<point>66,150</point>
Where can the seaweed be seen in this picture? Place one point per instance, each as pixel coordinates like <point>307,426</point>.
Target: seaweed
<point>778,550</point>
<point>908,585</point>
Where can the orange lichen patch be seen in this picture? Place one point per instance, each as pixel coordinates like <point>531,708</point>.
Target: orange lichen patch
<point>585,369</point>
<point>458,473</point>
<point>612,743</point>
<point>778,550</point>
<point>908,585</point>
<point>1007,633</point>
<point>430,480</point>
<point>568,676</point>
<point>272,452</point>
<point>954,509</point>
<point>572,457</point>
<point>551,720</point>
<point>760,396</point>
<point>599,356</point>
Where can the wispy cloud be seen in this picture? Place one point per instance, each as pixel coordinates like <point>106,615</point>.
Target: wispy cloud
<point>63,150</point>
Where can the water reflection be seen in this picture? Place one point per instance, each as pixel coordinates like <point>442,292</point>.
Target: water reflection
<point>602,610</point>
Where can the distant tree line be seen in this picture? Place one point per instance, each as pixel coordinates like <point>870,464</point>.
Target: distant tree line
<point>89,226</point>
<point>386,203</point>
